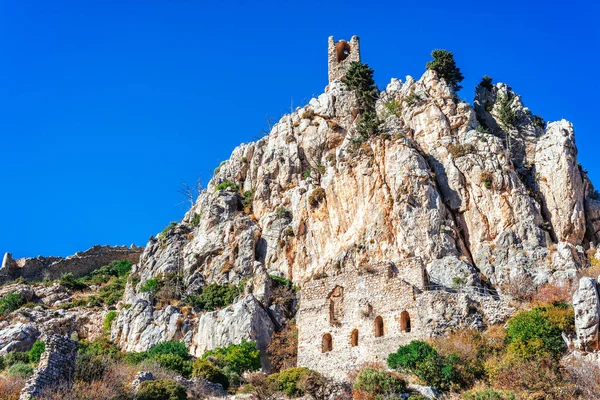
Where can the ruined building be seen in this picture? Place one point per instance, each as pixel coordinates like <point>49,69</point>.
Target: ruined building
<point>358,316</point>
<point>340,54</point>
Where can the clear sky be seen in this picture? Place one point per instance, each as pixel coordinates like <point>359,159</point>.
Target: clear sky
<point>107,106</point>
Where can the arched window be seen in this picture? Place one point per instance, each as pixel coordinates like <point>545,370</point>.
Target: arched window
<point>336,305</point>
<point>404,322</point>
<point>327,344</point>
<point>354,338</point>
<point>379,326</point>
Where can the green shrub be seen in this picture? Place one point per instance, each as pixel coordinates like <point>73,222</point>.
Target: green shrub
<point>196,219</point>
<point>506,114</point>
<point>69,281</point>
<point>368,125</point>
<point>486,82</point>
<point>393,107</point>
<point>283,213</point>
<point>422,360</point>
<point>151,285</point>
<point>16,357</point>
<point>90,367</point>
<point>443,63</point>
<point>487,179</point>
<point>162,389</point>
<point>488,394</point>
<point>20,369</point>
<point>287,380</point>
<point>108,320</point>
<point>174,362</point>
<point>175,347</point>
<point>359,77</point>
<point>135,357</point>
<point>2,363</point>
<point>168,229</point>
<point>239,357</point>
<point>100,347</point>
<point>226,185</point>
<point>247,200</point>
<point>36,351</point>
<point>10,303</point>
<point>214,297</point>
<point>411,98</point>
<point>281,281</point>
<point>378,382</point>
<point>204,369</point>
<point>539,121</point>
<point>531,334</point>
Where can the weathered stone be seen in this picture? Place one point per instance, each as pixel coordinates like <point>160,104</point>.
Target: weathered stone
<point>56,366</point>
<point>586,305</point>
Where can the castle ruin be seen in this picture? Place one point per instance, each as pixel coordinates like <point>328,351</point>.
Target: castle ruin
<point>340,54</point>
<point>358,316</point>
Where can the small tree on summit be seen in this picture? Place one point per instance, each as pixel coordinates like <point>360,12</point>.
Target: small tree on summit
<point>443,63</point>
<point>359,78</point>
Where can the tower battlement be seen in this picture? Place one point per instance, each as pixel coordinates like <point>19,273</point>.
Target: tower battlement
<point>340,54</point>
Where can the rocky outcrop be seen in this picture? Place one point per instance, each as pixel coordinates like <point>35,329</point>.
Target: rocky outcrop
<point>586,304</point>
<point>560,182</point>
<point>79,264</point>
<point>56,366</point>
<point>483,197</point>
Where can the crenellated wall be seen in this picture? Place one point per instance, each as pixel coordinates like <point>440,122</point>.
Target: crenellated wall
<point>79,264</point>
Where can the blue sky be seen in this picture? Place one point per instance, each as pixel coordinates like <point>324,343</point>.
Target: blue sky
<point>107,106</point>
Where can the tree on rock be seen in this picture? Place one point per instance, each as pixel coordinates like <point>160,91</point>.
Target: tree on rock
<point>443,63</point>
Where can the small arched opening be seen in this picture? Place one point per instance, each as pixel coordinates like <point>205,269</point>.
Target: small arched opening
<point>327,343</point>
<point>379,326</point>
<point>354,338</point>
<point>336,301</point>
<point>342,50</point>
<point>404,322</point>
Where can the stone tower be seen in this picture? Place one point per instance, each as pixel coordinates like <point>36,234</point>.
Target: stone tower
<point>340,54</point>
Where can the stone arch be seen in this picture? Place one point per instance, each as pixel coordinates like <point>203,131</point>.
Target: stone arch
<point>342,50</point>
<point>379,326</point>
<point>404,321</point>
<point>336,303</point>
<point>326,343</point>
<point>354,338</point>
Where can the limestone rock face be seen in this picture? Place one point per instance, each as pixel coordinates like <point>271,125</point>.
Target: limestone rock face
<point>586,304</point>
<point>482,197</point>
<point>245,319</point>
<point>560,182</point>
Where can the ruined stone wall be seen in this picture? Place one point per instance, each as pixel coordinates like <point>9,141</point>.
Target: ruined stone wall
<point>79,264</point>
<point>356,317</point>
<point>56,367</point>
<point>340,54</point>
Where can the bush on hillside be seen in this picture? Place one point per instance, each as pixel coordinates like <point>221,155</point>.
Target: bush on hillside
<point>20,369</point>
<point>214,297</point>
<point>162,389</point>
<point>10,303</point>
<point>376,381</point>
<point>16,357</point>
<point>287,381</point>
<point>443,63</point>
<point>239,357</point>
<point>36,351</point>
<point>205,369</point>
<point>359,77</point>
<point>422,360</point>
<point>532,333</point>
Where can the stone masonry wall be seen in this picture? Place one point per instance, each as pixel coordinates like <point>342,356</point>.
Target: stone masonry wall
<point>337,68</point>
<point>79,264</point>
<point>361,298</point>
<point>56,367</point>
